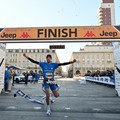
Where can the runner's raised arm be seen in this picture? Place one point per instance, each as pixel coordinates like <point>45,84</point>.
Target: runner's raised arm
<point>30,59</point>
<point>67,63</point>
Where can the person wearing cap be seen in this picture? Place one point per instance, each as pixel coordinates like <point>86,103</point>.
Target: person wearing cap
<point>48,69</point>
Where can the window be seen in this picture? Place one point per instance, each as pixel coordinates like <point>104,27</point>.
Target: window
<point>98,56</point>
<point>28,51</point>
<point>10,50</point>
<point>40,50</point>
<point>36,50</point>
<point>108,56</point>
<point>17,51</point>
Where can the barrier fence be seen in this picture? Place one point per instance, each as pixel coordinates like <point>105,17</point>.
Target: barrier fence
<point>105,80</point>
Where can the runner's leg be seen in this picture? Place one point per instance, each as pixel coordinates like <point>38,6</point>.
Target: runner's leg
<point>44,97</point>
<point>47,92</point>
<point>55,92</point>
<point>48,101</point>
<point>53,88</point>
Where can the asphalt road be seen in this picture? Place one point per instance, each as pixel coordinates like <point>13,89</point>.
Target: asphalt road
<point>77,101</point>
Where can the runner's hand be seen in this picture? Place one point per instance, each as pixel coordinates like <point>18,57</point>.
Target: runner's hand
<point>24,55</point>
<point>74,60</point>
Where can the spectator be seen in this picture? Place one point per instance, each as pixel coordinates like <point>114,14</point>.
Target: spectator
<point>13,78</point>
<point>30,78</point>
<point>26,77</point>
<point>33,75</point>
<point>10,80</point>
<point>6,79</point>
<point>37,76</point>
<point>88,73</point>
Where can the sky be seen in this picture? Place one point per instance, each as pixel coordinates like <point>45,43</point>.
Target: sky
<point>47,13</point>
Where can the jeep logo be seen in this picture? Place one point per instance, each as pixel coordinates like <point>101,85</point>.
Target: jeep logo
<point>6,35</point>
<point>112,34</point>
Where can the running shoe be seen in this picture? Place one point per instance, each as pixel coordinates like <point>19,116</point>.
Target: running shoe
<point>48,112</point>
<point>52,101</point>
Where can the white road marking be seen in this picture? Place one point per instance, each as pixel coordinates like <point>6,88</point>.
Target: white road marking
<point>97,109</point>
<point>66,108</point>
<point>11,107</point>
<point>37,108</point>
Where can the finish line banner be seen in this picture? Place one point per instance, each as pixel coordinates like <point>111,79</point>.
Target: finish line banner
<point>60,33</point>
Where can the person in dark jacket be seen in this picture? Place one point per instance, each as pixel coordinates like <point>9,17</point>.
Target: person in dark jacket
<point>6,79</point>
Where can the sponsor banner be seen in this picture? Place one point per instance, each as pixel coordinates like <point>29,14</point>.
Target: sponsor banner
<point>2,65</point>
<point>105,80</point>
<point>117,63</point>
<point>53,33</point>
<point>22,94</point>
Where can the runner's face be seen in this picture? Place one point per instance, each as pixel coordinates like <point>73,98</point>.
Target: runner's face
<point>48,59</point>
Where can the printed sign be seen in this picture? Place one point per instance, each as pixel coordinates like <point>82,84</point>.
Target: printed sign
<point>117,63</point>
<point>60,33</point>
<point>105,80</point>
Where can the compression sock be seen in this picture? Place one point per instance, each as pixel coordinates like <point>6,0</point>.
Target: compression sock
<point>48,110</point>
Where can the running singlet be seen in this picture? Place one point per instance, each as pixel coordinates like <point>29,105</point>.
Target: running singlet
<point>48,69</point>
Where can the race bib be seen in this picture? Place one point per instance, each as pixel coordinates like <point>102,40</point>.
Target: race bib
<point>49,75</point>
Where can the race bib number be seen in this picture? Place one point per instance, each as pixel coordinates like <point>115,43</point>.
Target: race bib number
<point>49,75</point>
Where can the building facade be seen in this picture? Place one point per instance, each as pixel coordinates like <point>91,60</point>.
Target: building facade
<point>106,13</point>
<point>106,16</point>
<point>15,57</point>
<point>92,58</point>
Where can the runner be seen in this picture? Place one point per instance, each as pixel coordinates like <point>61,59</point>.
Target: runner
<point>48,69</point>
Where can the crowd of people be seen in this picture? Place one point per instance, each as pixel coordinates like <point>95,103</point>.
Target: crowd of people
<point>9,78</point>
<point>98,73</point>
<point>32,76</point>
